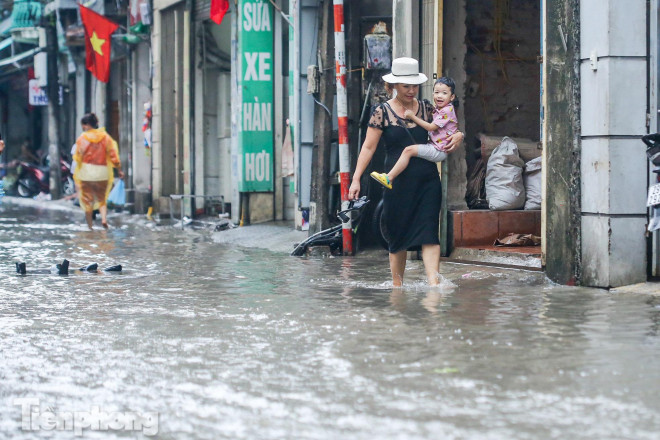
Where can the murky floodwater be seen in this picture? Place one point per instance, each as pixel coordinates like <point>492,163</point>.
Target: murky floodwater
<point>230,343</point>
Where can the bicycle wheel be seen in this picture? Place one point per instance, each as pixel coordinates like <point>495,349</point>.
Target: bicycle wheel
<point>377,225</point>
<point>323,238</point>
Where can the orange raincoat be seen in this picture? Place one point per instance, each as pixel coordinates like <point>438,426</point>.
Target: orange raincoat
<point>96,154</point>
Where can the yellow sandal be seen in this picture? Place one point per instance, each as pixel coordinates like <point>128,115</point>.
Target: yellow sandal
<point>382,179</point>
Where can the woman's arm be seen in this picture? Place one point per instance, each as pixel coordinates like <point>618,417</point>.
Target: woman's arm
<point>366,153</point>
<point>112,150</point>
<point>428,126</point>
<point>454,141</point>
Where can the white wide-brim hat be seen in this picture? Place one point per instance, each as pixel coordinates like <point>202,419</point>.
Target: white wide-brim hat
<point>405,71</point>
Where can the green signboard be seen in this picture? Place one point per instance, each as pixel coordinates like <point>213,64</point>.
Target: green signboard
<point>255,139</point>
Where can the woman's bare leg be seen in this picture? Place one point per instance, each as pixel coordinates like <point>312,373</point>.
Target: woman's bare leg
<point>88,218</point>
<point>431,258</point>
<point>402,163</point>
<point>104,215</point>
<point>397,267</point>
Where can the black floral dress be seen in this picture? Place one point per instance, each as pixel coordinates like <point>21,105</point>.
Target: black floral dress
<point>411,209</point>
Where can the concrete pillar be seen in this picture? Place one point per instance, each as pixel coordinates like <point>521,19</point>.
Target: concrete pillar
<point>561,141</point>
<point>156,119</point>
<point>453,65</point>
<point>80,95</point>
<point>405,23</point>
<point>99,101</point>
<point>200,91</point>
<point>613,163</point>
<point>278,120</point>
<point>188,154</point>
<point>140,176</point>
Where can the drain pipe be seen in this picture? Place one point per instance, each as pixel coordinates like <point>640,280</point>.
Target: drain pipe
<point>342,119</point>
<point>294,95</point>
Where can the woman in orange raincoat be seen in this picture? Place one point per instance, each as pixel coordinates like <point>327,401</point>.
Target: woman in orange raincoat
<point>96,156</point>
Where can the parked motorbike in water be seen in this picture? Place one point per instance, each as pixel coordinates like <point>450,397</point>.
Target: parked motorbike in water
<point>652,142</point>
<point>34,179</point>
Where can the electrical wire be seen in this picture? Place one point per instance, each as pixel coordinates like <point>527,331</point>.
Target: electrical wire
<point>323,105</point>
<point>279,9</point>
<point>501,15</point>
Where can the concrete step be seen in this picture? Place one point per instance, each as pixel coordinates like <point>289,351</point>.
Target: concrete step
<point>506,257</point>
<point>479,227</point>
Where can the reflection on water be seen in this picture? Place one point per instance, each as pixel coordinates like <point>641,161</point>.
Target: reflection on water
<point>240,344</point>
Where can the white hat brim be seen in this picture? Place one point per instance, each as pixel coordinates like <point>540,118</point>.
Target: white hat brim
<point>416,80</point>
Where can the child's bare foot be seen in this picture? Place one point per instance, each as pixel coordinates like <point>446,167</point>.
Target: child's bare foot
<point>105,225</point>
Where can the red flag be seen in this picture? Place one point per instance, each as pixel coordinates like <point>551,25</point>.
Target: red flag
<point>218,10</point>
<point>98,35</point>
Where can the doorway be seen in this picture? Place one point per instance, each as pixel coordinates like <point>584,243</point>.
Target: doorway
<point>492,49</point>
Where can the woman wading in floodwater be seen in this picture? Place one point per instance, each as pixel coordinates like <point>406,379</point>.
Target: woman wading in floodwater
<point>96,156</point>
<point>411,210</point>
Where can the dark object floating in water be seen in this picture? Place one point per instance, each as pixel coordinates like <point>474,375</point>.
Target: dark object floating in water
<point>91,268</point>
<point>63,268</point>
<point>116,268</point>
<point>60,269</point>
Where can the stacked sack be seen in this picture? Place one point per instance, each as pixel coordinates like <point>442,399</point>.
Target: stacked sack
<point>510,183</point>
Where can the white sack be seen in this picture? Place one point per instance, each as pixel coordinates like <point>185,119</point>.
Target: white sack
<point>533,183</point>
<point>504,183</point>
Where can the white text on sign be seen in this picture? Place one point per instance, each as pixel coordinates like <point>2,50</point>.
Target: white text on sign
<point>257,116</point>
<point>257,166</point>
<point>254,74</point>
<point>256,17</point>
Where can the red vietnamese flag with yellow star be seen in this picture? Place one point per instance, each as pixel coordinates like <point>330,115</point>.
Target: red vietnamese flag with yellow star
<point>98,33</point>
<point>218,10</point>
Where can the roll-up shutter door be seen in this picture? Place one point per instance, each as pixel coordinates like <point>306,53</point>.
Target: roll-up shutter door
<point>202,9</point>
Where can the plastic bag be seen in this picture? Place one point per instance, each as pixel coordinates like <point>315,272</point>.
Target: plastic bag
<point>117,196</point>
<point>514,239</point>
<point>504,183</point>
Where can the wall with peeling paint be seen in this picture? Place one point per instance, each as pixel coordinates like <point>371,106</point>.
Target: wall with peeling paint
<point>562,143</point>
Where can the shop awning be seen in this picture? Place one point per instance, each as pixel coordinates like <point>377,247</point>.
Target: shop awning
<point>5,43</point>
<point>26,14</point>
<point>59,4</point>
<point>5,25</point>
<point>18,57</point>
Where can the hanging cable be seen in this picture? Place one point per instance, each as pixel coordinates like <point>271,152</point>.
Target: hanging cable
<point>279,9</point>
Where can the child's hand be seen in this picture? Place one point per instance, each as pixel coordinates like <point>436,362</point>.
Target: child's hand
<point>408,114</point>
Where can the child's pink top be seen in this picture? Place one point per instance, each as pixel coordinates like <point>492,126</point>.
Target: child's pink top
<point>447,122</point>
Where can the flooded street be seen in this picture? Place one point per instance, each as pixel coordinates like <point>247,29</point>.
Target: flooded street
<point>226,342</point>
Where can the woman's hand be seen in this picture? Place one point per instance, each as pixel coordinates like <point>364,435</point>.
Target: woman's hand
<point>2,145</point>
<point>354,190</point>
<point>454,141</point>
<point>120,174</point>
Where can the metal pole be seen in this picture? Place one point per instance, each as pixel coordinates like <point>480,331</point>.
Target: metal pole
<point>342,119</point>
<point>294,60</point>
<point>53,87</point>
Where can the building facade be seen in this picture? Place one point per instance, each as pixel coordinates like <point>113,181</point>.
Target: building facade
<point>240,116</point>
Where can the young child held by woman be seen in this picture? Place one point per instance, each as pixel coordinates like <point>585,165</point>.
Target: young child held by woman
<point>443,126</point>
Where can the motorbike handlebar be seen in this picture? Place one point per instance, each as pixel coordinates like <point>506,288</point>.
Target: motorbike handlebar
<point>353,205</point>
<point>651,140</point>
